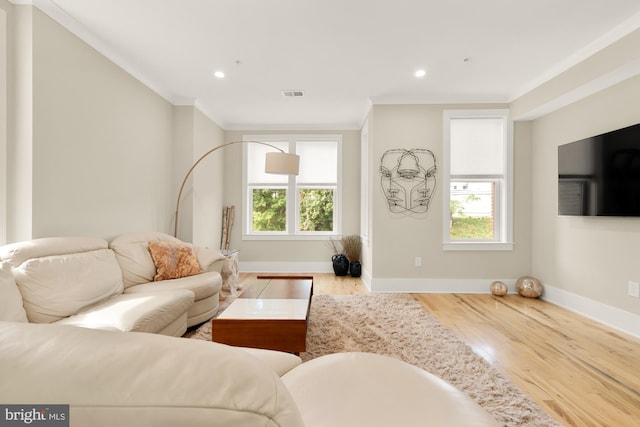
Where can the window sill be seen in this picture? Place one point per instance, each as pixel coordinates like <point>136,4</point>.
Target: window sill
<point>290,237</point>
<point>478,246</point>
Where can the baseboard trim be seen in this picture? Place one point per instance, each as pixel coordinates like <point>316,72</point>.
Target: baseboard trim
<point>611,316</point>
<point>285,267</point>
<point>437,286</point>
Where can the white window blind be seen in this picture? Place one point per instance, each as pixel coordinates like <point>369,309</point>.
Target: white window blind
<point>318,162</point>
<point>477,146</point>
<point>255,163</point>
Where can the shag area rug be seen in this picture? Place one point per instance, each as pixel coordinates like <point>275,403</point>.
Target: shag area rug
<point>397,325</point>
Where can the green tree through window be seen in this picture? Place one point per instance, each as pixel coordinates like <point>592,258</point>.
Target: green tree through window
<point>316,210</point>
<point>269,209</point>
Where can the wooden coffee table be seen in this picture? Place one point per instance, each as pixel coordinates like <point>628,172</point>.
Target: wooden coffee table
<point>272,313</point>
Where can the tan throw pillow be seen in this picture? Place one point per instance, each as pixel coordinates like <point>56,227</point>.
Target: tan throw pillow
<point>173,260</point>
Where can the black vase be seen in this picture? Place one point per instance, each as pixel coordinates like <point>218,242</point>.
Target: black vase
<point>355,269</point>
<point>340,265</point>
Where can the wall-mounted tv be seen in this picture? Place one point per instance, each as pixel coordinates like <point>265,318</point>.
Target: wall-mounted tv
<point>600,176</point>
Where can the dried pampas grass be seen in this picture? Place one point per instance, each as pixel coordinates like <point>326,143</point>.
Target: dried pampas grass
<point>352,247</point>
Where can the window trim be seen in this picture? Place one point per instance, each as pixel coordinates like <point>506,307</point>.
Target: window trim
<point>292,232</point>
<point>503,215</point>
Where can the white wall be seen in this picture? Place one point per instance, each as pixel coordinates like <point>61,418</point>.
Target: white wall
<point>208,183</point>
<point>101,142</point>
<point>20,123</point>
<point>4,133</point>
<point>200,216</point>
<point>183,158</point>
<point>590,257</point>
<point>399,238</point>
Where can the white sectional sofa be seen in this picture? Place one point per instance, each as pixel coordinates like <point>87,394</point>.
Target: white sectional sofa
<point>147,380</point>
<point>107,376</point>
<point>85,281</point>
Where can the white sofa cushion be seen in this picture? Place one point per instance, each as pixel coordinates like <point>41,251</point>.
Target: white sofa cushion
<point>11,308</point>
<point>132,252</point>
<point>144,380</point>
<point>202,285</point>
<point>17,253</point>
<point>150,312</point>
<point>59,277</point>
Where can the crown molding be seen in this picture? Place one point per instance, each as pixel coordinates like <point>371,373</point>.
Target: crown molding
<point>599,84</point>
<point>627,27</point>
<point>438,99</point>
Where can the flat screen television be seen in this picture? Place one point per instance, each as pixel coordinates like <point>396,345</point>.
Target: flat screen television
<point>600,176</point>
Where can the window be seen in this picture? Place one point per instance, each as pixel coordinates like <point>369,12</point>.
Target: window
<point>306,206</point>
<point>477,180</point>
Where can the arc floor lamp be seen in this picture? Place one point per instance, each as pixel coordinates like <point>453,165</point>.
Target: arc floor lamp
<point>277,162</point>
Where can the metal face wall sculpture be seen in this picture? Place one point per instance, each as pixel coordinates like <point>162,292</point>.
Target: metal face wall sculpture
<point>408,179</point>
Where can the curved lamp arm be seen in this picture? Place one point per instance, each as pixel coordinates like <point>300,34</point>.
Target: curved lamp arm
<point>287,166</point>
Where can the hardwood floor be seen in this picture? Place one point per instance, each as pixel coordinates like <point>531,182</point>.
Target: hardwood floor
<point>580,371</point>
<point>323,283</point>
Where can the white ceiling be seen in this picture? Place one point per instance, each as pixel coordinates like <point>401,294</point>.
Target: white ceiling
<point>344,54</point>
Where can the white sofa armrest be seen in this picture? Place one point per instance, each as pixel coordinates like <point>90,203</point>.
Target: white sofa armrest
<point>209,259</point>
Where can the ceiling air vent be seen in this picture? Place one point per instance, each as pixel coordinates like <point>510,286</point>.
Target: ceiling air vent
<point>293,93</point>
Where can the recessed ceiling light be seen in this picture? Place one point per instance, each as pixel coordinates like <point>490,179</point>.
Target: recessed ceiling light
<point>219,74</point>
<point>420,73</point>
